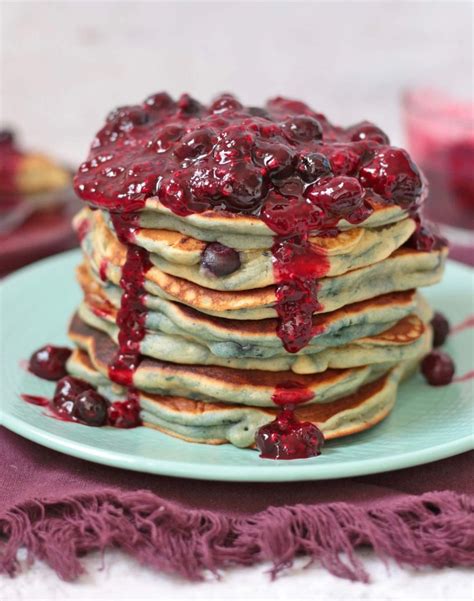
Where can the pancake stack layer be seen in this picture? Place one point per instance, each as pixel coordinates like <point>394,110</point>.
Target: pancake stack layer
<point>250,274</point>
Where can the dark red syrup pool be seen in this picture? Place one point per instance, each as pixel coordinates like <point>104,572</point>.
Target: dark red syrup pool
<point>32,399</point>
<point>284,163</point>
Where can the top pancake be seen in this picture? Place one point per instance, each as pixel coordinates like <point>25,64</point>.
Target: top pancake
<point>178,255</point>
<point>234,229</point>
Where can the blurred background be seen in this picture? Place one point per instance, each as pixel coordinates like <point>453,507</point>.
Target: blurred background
<point>65,64</point>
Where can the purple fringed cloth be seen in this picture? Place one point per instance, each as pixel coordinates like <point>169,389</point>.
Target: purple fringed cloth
<point>61,508</point>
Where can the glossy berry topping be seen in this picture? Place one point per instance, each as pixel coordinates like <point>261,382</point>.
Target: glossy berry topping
<point>90,407</point>
<point>339,197</point>
<point>441,329</point>
<point>229,157</point>
<point>438,368</point>
<point>124,414</point>
<point>312,165</point>
<point>303,129</point>
<point>367,131</point>
<point>287,438</point>
<point>67,390</point>
<point>49,362</point>
<point>220,260</point>
<point>393,176</point>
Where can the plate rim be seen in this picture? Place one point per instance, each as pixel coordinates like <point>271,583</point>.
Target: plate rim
<point>301,470</point>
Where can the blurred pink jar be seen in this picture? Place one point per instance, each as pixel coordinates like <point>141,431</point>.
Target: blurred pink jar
<point>440,137</point>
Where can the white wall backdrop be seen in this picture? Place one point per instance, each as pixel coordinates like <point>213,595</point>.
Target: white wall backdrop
<point>65,64</point>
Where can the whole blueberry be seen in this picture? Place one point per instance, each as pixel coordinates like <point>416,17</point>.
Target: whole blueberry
<point>91,408</point>
<point>67,390</point>
<point>312,165</point>
<point>195,144</point>
<point>49,362</point>
<point>220,260</point>
<point>438,368</point>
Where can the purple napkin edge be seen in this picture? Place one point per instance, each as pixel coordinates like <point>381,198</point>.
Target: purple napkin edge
<point>435,529</point>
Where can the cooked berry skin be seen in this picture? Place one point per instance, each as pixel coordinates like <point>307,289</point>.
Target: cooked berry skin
<point>438,368</point>
<point>90,407</point>
<point>287,438</point>
<point>49,362</point>
<point>67,390</point>
<point>220,260</point>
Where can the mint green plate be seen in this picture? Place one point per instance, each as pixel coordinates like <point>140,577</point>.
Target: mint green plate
<point>427,423</point>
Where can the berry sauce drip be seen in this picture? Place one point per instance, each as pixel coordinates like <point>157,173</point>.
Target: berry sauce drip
<point>286,437</point>
<point>285,164</point>
<point>131,319</point>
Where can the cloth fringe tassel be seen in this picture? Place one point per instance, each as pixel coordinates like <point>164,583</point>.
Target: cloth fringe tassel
<point>435,529</point>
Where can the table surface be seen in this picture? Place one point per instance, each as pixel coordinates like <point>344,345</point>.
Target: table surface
<point>120,577</point>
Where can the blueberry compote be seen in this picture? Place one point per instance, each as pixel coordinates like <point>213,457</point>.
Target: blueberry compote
<point>75,400</point>
<point>49,362</point>
<point>284,163</point>
<point>286,437</point>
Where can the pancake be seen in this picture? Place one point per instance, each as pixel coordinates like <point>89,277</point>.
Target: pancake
<point>236,339</point>
<point>213,383</point>
<point>217,423</point>
<point>404,269</point>
<point>179,255</point>
<point>400,342</point>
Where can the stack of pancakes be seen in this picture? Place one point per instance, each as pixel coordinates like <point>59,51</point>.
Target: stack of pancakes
<point>212,360</point>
